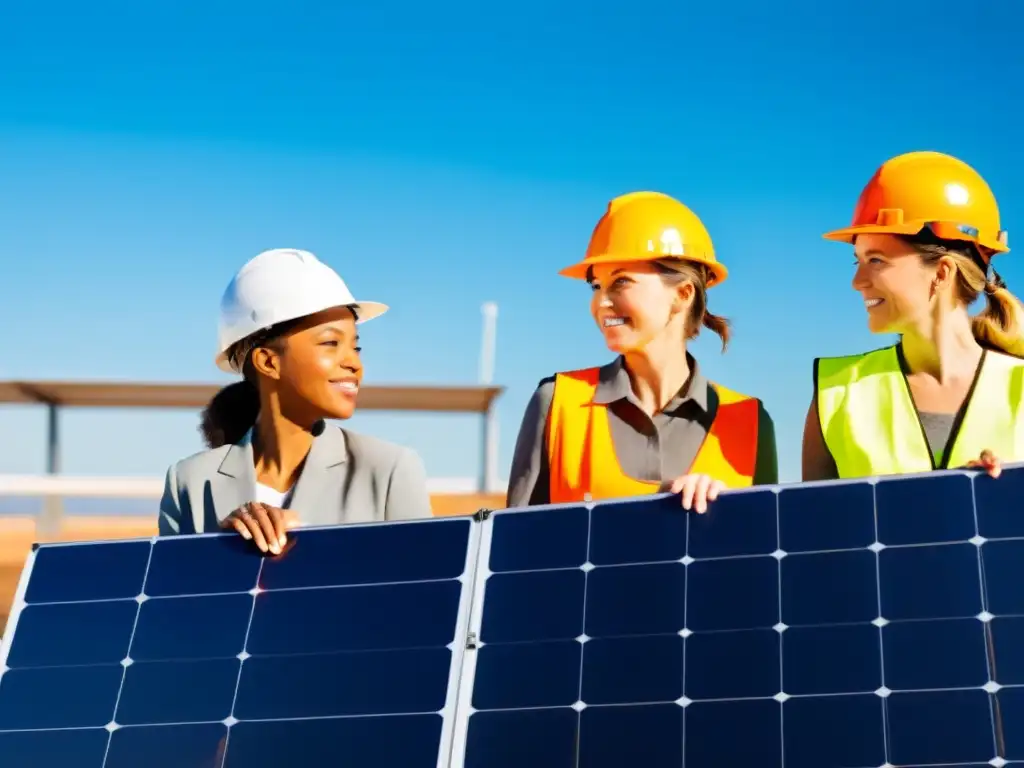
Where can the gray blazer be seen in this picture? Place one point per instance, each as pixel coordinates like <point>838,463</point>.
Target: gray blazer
<point>347,478</point>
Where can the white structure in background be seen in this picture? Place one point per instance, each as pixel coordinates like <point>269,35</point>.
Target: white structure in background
<point>489,451</point>
<point>54,395</point>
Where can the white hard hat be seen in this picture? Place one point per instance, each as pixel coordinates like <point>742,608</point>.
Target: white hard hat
<point>279,285</point>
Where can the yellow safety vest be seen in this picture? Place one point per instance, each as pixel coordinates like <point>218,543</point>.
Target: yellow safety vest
<point>581,455</point>
<point>871,426</point>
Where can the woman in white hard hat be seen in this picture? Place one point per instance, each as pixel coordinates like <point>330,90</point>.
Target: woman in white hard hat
<point>649,421</point>
<point>288,326</point>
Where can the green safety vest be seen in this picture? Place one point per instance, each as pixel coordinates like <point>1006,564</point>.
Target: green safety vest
<point>871,426</point>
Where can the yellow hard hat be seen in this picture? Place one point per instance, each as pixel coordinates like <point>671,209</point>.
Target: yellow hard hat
<point>647,226</point>
<point>920,190</point>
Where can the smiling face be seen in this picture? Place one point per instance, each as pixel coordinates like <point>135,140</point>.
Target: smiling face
<point>633,306</point>
<point>899,289</point>
<point>315,368</point>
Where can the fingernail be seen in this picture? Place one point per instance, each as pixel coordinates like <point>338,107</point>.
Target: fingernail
<point>282,541</point>
<point>274,548</point>
<point>246,535</point>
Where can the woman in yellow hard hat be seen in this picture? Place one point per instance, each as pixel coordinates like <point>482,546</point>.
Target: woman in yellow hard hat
<point>949,393</point>
<point>649,420</point>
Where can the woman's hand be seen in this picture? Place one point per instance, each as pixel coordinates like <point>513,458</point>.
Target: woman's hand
<point>989,462</point>
<point>263,524</point>
<point>697,491</point>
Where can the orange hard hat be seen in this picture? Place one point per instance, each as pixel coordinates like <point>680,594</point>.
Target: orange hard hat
<point>647,226</point>
<point>928,190</point>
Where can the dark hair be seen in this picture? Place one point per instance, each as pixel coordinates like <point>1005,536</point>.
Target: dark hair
<point>230,414</point>
<point>234,409</point>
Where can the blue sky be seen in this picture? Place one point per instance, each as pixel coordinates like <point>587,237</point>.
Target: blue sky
<point>439,156</point>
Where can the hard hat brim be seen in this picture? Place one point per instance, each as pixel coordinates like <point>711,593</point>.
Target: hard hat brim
<point>578,271</point>
<point>365,310</point>
<point>849,234</point>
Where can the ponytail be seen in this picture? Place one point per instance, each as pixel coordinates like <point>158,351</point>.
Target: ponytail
<point>999,325</point>
<point>230,414</point>
<point>720,326</point>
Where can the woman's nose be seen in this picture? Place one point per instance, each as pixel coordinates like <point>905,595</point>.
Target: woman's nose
<point>860,281</point>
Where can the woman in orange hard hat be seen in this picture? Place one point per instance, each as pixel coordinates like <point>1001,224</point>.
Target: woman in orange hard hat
<point>948,394</point>
<point>649,420</point>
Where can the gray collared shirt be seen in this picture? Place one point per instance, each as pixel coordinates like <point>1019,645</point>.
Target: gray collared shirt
<point>651,449</point>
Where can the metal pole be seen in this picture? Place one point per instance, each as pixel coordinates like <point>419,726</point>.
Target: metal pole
<point>489,436</point>
<point>52,439</point>
<point>48,522</point>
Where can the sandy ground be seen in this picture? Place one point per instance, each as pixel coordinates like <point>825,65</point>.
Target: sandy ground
<point>17,534</point>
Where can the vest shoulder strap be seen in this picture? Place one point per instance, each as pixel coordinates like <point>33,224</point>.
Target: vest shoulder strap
<point>840,371</point>
<point>576,387</point>
<point>728,396</point>
<point>1005,362</point>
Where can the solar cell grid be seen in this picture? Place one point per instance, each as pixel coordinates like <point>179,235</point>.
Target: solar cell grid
<point>197,651</point>
<point>837,625</point>
<point>852,625</point>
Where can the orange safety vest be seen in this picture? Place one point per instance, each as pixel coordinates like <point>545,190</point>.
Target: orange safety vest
<point>582,457</point>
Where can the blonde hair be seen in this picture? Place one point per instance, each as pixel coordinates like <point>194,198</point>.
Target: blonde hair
<point>999,326</point>
<point>676,271</point>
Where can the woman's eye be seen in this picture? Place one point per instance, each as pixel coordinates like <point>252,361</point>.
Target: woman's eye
<point>359,350</point>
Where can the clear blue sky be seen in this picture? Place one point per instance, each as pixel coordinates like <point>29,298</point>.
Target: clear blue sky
<point>441,155</point>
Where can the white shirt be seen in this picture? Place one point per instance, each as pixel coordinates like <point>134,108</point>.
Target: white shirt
<point>273,497</point>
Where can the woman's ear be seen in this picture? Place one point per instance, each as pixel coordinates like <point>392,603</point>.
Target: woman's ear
<point>684,297</point>
<point>267,362</point>
<point>945,272</point>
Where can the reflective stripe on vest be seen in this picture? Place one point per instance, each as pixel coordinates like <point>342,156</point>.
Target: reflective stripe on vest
<point>582,458</point>
<point>871,426</point>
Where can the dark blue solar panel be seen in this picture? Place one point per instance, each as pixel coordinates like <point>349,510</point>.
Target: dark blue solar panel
<point>838,625</point>
<point>197,651</point>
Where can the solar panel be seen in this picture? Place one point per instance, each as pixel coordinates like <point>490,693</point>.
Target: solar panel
<point>835,625</point>
<point>197,652</point>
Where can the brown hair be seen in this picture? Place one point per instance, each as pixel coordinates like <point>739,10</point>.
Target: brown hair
<point>676,271</point>
<point>997,327</point>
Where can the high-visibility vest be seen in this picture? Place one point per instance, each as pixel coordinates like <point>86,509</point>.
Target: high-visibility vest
<point>871,426</point>
<point>581,455</point>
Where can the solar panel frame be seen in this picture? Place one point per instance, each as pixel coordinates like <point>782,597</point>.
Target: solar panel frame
<point>462,670</point>
<point>457,646</point>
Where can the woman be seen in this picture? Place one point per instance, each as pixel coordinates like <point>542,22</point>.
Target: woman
<point>648,421</point>
<point>948,394</point>
<point>288,326</point>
